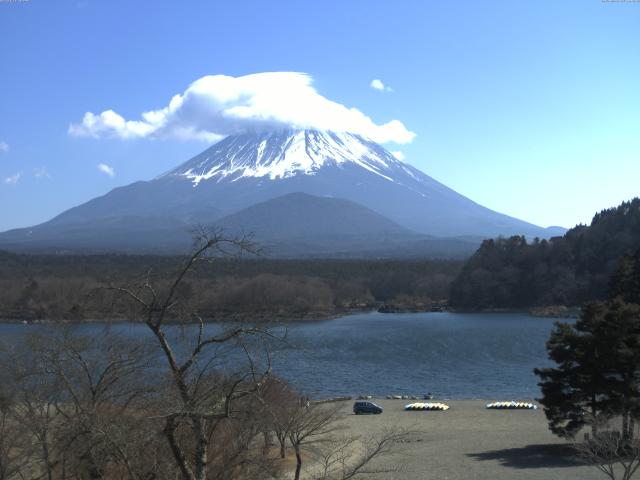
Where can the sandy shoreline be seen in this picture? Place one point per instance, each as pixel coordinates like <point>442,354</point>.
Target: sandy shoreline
<point>469,442</point>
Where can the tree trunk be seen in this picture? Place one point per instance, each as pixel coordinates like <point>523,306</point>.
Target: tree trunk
<point>47,458</point>
<point>594,414</point>
<point>625,427</point>
<point>93,471</point>
<point>267,442</point>
<point>201,448</point>
<point>283,452</point>
<point>298,462</point>
<point>178,455</point>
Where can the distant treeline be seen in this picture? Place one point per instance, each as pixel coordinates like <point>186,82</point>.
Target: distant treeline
<point>569,270</point>
<point>505,273</point>
<point>79,288</point>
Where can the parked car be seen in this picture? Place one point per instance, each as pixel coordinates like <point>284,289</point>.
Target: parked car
<point>366,407</point>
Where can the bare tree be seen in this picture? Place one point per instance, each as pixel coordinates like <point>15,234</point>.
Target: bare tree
<point>202,397</point>
<point>237,453</point>
<point>77,395</point>
<point>314,430</point>
<point>352,457</point>
<point>87,407</point>
<point>36,397</point>
<point>616,455</point>
<point>193,403</point>
<point>15,452</point>
<point>279,404</point>
<point>310,425</point>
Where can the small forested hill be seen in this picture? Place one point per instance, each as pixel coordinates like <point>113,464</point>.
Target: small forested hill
<point>568,270</point>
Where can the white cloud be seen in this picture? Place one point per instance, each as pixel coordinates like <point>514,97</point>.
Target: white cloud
<point>377,84</point>
<point>4,147</point>
<point>215,106</point>
<point>398,154</point>
<point>13,179</point>
<point>106,169</point>
<point>41,172</point>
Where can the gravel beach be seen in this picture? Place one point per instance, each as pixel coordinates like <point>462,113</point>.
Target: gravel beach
<point>469,442</point>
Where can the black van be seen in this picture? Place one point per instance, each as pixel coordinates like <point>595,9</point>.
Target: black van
<point>366,407</point>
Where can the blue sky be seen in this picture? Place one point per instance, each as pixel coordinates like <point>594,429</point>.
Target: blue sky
<point>529,108</point>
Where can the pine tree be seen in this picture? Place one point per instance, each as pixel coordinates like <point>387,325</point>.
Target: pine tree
<point>625,281</point>
<point>598,369</point>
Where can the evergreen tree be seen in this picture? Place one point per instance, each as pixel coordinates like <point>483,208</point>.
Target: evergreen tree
<point>598,369</point>
<point>625,281</point>
<point>569,270</point>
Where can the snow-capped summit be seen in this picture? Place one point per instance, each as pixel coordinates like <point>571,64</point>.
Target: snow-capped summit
<point>284,154</point>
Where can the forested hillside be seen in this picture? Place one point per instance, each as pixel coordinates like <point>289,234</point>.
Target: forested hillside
<point>568,270</point>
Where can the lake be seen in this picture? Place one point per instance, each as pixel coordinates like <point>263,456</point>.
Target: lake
<point>452,355</point>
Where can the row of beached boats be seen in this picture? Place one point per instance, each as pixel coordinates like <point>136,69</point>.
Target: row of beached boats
<point>427,406</point>
<point>438,406</point>
<point>511,406</point>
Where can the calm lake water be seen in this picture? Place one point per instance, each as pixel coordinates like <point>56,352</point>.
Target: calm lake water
<point>450,355</point>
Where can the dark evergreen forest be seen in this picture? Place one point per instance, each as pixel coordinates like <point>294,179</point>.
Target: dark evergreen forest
<point>513,273</point>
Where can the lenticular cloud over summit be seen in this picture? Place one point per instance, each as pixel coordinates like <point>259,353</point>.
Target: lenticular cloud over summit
<point>216,106</point>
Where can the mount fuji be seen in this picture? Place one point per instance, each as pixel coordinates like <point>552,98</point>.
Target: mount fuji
<point>302,192</point>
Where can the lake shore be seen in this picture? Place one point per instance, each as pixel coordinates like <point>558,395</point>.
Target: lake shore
<point>559,312</point>
<point>223,317</point>
<point>469,442</point>
<point>236,317</point>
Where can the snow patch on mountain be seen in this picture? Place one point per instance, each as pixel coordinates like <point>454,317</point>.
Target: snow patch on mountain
<point>279,155</point>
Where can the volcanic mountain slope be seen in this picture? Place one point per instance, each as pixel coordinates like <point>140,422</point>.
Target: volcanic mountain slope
<point>321,227</point>
<point>244,170</point>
